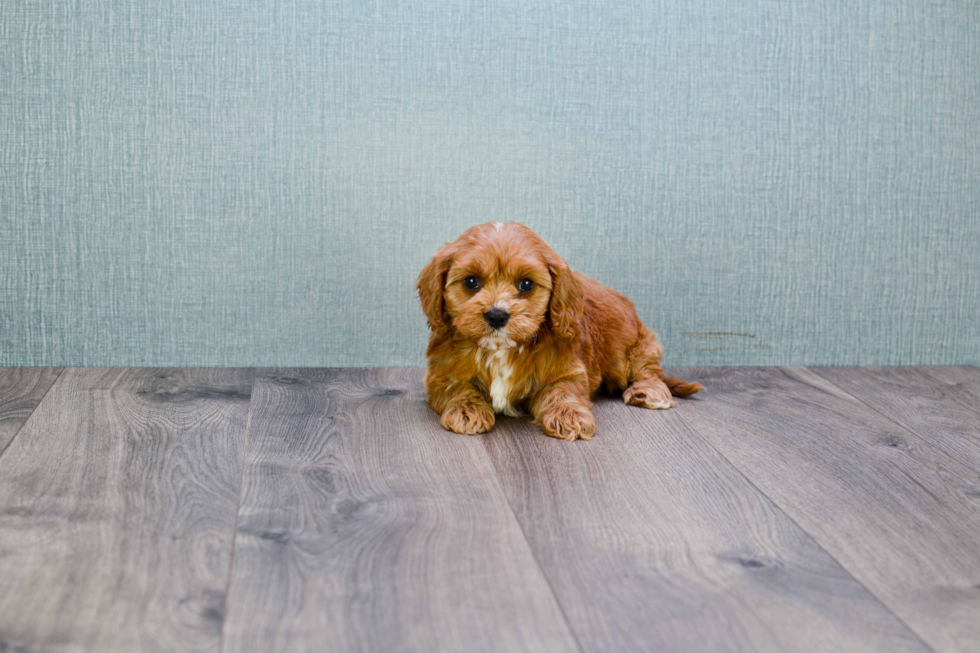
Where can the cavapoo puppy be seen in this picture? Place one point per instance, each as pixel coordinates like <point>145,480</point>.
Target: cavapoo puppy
<point>514,331</point>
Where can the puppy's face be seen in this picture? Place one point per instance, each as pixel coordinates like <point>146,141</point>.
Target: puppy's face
<point>497,284</point>
<point>497,291</point>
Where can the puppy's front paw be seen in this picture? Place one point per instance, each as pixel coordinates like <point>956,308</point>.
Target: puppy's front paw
<point>648,393</point>
<point>568,421</point>
<point>467,417</point>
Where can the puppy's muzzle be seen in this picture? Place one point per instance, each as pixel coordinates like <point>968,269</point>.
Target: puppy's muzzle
<point>496,318</point>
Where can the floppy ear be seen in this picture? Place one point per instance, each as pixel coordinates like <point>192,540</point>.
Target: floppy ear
<point>432,282</point>
<point>567,302</point>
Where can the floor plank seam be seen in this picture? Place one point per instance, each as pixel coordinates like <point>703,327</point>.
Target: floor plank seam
<point>812,537</point>
<point>958,386</point>
<point>905,428</point>
<point>33,410</point>
<point>537,563</point>
<point>238,509</point>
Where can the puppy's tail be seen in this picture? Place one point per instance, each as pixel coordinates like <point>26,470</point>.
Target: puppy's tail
<point>680,388</point>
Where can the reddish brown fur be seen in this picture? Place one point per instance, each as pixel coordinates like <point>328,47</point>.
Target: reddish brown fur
<point>565,339</point>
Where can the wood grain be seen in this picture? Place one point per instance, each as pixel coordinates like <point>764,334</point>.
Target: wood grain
<point>653,542</point>
<point>965,377</point>
<point>366,527</point>
<point>21,390</point>
<point>117,509</point>
<point>900,515</point>
<point>946,416</point>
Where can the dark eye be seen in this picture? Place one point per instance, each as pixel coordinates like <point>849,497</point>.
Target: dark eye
<point>471,283</point>
<point>525,285</point>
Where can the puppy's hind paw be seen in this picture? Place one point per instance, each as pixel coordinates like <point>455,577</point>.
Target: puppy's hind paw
<point>467,417</point>
<point>649,393</point>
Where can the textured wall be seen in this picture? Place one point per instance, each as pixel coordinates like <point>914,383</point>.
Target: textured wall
<point>260,182</point>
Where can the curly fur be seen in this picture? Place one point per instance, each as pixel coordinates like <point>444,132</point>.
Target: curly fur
<point>565,338</point>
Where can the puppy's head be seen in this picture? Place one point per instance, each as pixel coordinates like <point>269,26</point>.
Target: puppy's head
<point>498,285</point>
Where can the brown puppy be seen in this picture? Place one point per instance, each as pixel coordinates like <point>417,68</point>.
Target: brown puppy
<point>515,330</point>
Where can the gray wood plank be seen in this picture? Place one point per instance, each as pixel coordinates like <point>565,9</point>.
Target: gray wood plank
<point>965,377</point>
<point>21,390</point>
<point>946,416</point>
<point>900,515</point>
<point>653,542</point>
<point>117,509</point>
<point>364,526</point>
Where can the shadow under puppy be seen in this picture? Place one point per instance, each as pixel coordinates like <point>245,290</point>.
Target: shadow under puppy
<point>514,330</point>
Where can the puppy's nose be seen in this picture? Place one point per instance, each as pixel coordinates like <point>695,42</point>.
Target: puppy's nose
<point>496,318</point>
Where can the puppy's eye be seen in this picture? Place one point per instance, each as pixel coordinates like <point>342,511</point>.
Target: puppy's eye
<point>525,285</point>
<point>472,283</point>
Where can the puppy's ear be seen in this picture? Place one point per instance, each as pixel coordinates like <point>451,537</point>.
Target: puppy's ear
<point>567,301</point>
<point>432,282</point>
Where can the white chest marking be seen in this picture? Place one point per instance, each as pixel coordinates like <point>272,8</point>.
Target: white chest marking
<point>500,370</point>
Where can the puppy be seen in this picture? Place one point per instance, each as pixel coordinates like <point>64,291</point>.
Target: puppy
<point>515,331</point>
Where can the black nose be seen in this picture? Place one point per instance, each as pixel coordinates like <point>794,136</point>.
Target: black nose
<point>496,318</point>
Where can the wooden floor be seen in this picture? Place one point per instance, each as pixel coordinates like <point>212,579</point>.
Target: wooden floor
<point>785,509</point>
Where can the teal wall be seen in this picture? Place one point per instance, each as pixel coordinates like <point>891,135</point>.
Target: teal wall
<point>259,183</point>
